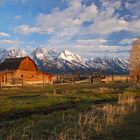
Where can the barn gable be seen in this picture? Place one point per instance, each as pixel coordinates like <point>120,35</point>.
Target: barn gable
<point>23,63</point>
<point>27,65</point>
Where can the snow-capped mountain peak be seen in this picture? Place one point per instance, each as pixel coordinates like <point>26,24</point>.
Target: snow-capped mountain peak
<point>44,53</point>
<point>16,53</point>
<point>60,62</point>
<point>69,56</point>
<point>3,54</point>
<point>51,54</point>
<point>11,53</point>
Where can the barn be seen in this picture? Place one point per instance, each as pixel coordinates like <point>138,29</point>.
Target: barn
<point>22,71</point>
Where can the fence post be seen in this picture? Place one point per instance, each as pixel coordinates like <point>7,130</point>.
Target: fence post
<point>22,80</point>
<point>0,82</point>
<point>112,75</point>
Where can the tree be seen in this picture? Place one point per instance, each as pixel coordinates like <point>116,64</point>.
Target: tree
<point>135,61</point>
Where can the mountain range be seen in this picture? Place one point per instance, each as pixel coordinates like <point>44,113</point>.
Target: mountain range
<point>52,61</point>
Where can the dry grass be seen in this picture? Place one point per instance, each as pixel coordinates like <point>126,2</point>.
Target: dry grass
<point>105,90</point>
<point>97,120</point>
<point>126,99</point>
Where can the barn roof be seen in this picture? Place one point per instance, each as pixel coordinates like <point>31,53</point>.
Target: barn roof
<point>11,63</point>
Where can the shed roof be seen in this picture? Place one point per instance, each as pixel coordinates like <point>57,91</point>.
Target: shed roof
<point>11,63</point>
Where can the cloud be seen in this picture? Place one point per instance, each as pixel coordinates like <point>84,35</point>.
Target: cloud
<point>14,1</point>
<point>106,26</point>
<point>65,22</point>
<point>17,44</point>
<point>27,29</point>
<point>91,42</point>
<point>71,20</point>
<point>2,34</point>
<point>17,17</point>
<point>66,26</point>
<point>128,41</point>
<point>99,45</point>
<point>103,50</point>
<point>134,26</point>
<point>1,1</point>
<point>133,7</point>
<point>11,42</point>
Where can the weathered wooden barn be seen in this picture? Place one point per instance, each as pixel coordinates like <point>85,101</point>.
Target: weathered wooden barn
<point>21,71</point>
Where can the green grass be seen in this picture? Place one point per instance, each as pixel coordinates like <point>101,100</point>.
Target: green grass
<point>30,100</point>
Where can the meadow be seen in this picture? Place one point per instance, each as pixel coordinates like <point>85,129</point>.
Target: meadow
<point>70,111</point>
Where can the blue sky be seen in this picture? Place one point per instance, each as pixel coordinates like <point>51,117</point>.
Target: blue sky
<point>87,27</point>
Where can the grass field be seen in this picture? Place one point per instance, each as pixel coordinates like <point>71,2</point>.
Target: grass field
<point>51,111</point>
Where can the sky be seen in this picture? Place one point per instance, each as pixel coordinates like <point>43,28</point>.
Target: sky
<point>87,27</point>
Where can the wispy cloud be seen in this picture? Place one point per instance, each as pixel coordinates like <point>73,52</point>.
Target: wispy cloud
<point>127,41</point>
<point>8,42</point>
<point>2,34</point>
<point>27,29</point>
<point>17,17</point>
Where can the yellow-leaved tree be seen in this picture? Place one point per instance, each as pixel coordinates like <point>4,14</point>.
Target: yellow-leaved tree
<point>135,61</point>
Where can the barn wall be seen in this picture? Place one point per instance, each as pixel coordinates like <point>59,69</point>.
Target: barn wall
<point>6,78</point>
<point>33,76</point>
<point>24,77</point>
<point>27,65</point>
